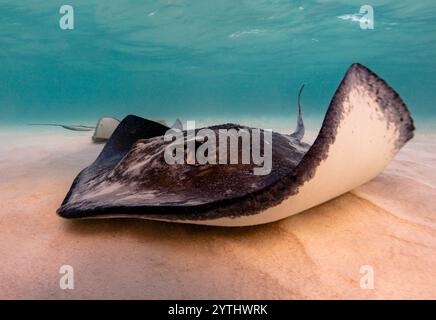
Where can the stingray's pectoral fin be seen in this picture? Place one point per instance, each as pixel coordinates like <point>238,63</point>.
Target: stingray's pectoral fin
<point>105,128</point>
<point>365,126</point>
<point>299,131</point>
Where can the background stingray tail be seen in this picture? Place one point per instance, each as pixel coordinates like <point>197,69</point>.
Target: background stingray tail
<point>299,131</point>
<point>65,126</point>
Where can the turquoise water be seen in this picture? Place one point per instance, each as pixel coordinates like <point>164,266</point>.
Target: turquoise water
<point>230,59</point>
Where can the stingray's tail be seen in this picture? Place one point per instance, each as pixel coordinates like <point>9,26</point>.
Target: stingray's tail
<point>299,131</point>
<point>68,127</point>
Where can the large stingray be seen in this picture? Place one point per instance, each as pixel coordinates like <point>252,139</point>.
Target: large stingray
<point>365,126</point>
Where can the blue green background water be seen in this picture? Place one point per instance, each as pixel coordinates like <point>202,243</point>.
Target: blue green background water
<point>230,59</point>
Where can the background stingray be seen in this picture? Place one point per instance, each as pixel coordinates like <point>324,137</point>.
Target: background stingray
<point>365,126</point>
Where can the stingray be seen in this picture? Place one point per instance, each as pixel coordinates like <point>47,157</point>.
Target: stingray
<point>365,126</point>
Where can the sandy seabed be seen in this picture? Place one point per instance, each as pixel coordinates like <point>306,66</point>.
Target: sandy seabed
<point>388,223</point>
